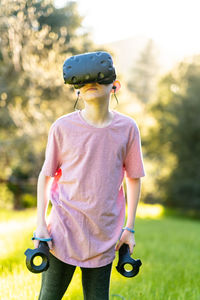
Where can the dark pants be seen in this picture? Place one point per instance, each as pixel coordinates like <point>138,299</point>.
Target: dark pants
<point>57,278</point>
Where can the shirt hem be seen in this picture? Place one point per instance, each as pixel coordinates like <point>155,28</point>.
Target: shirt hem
<point>85,264</point>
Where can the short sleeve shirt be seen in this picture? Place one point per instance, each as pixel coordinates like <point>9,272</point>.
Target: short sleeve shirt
<point>88,164</point>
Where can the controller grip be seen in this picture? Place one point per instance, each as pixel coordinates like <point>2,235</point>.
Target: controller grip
<point>126,259</point>
<point>43,252</point>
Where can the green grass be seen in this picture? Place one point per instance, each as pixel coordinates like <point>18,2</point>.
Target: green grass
<point>168,248</point>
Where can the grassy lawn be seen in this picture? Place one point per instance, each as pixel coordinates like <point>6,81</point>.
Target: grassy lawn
<point>167,246</point>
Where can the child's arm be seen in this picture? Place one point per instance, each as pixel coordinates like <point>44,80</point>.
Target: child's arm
<point>133,186</point>
<point>42,205</point>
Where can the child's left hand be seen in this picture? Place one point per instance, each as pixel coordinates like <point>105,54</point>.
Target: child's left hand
<point>128,238</point>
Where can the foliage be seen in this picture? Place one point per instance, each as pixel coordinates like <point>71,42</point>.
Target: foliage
<point>173,143</point>
<point>6,197</point>
<point>35,40</point>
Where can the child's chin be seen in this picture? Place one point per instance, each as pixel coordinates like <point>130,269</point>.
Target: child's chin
<point>92,96</point>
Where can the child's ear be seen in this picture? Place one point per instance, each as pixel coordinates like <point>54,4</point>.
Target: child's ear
<point>77,92</point>
<point>116,86</point>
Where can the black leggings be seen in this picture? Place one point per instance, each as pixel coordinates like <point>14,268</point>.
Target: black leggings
<point>56,279</point>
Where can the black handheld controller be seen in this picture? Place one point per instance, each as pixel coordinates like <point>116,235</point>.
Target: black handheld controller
<point>125,260</point>
<point>43,252</point>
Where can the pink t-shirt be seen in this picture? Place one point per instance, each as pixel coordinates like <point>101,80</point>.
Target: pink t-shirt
<point>88,164</point>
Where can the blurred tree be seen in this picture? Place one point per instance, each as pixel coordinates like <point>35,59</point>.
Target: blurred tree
<point>144,73</point>
<point>35,39</point>
<point>174,141</point>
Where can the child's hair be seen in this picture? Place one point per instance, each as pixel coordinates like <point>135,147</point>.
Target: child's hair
<point>89,67</point>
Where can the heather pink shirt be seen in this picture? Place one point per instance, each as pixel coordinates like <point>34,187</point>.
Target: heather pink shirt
<point>89,164</point>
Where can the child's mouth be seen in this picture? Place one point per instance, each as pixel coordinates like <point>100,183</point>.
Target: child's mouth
<point>91,89</point>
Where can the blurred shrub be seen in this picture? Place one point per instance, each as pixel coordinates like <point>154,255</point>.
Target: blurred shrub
<point>28,200</point>
<point>6,197</point>
<point>173,141</point>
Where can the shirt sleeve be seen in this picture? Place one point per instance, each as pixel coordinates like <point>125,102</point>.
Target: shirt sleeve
<point>52,154</point>
<point>133,163</point>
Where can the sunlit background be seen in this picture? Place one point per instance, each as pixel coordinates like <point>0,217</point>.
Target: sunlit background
<point>156,50</point>
<point>173,25</point>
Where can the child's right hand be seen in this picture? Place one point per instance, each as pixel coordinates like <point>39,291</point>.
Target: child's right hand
<point>42,232</point>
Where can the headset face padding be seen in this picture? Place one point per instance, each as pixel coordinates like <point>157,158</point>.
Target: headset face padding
<point>89,67</point>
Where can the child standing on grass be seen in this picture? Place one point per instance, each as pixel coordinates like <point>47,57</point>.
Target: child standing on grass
<point>88,153</point>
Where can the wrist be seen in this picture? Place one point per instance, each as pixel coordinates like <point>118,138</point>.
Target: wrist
<point>129,229</point>
<point>41,223</point>
<point>130,223</point>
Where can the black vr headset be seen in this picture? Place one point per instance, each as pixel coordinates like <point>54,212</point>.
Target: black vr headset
<point>88,68</point>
